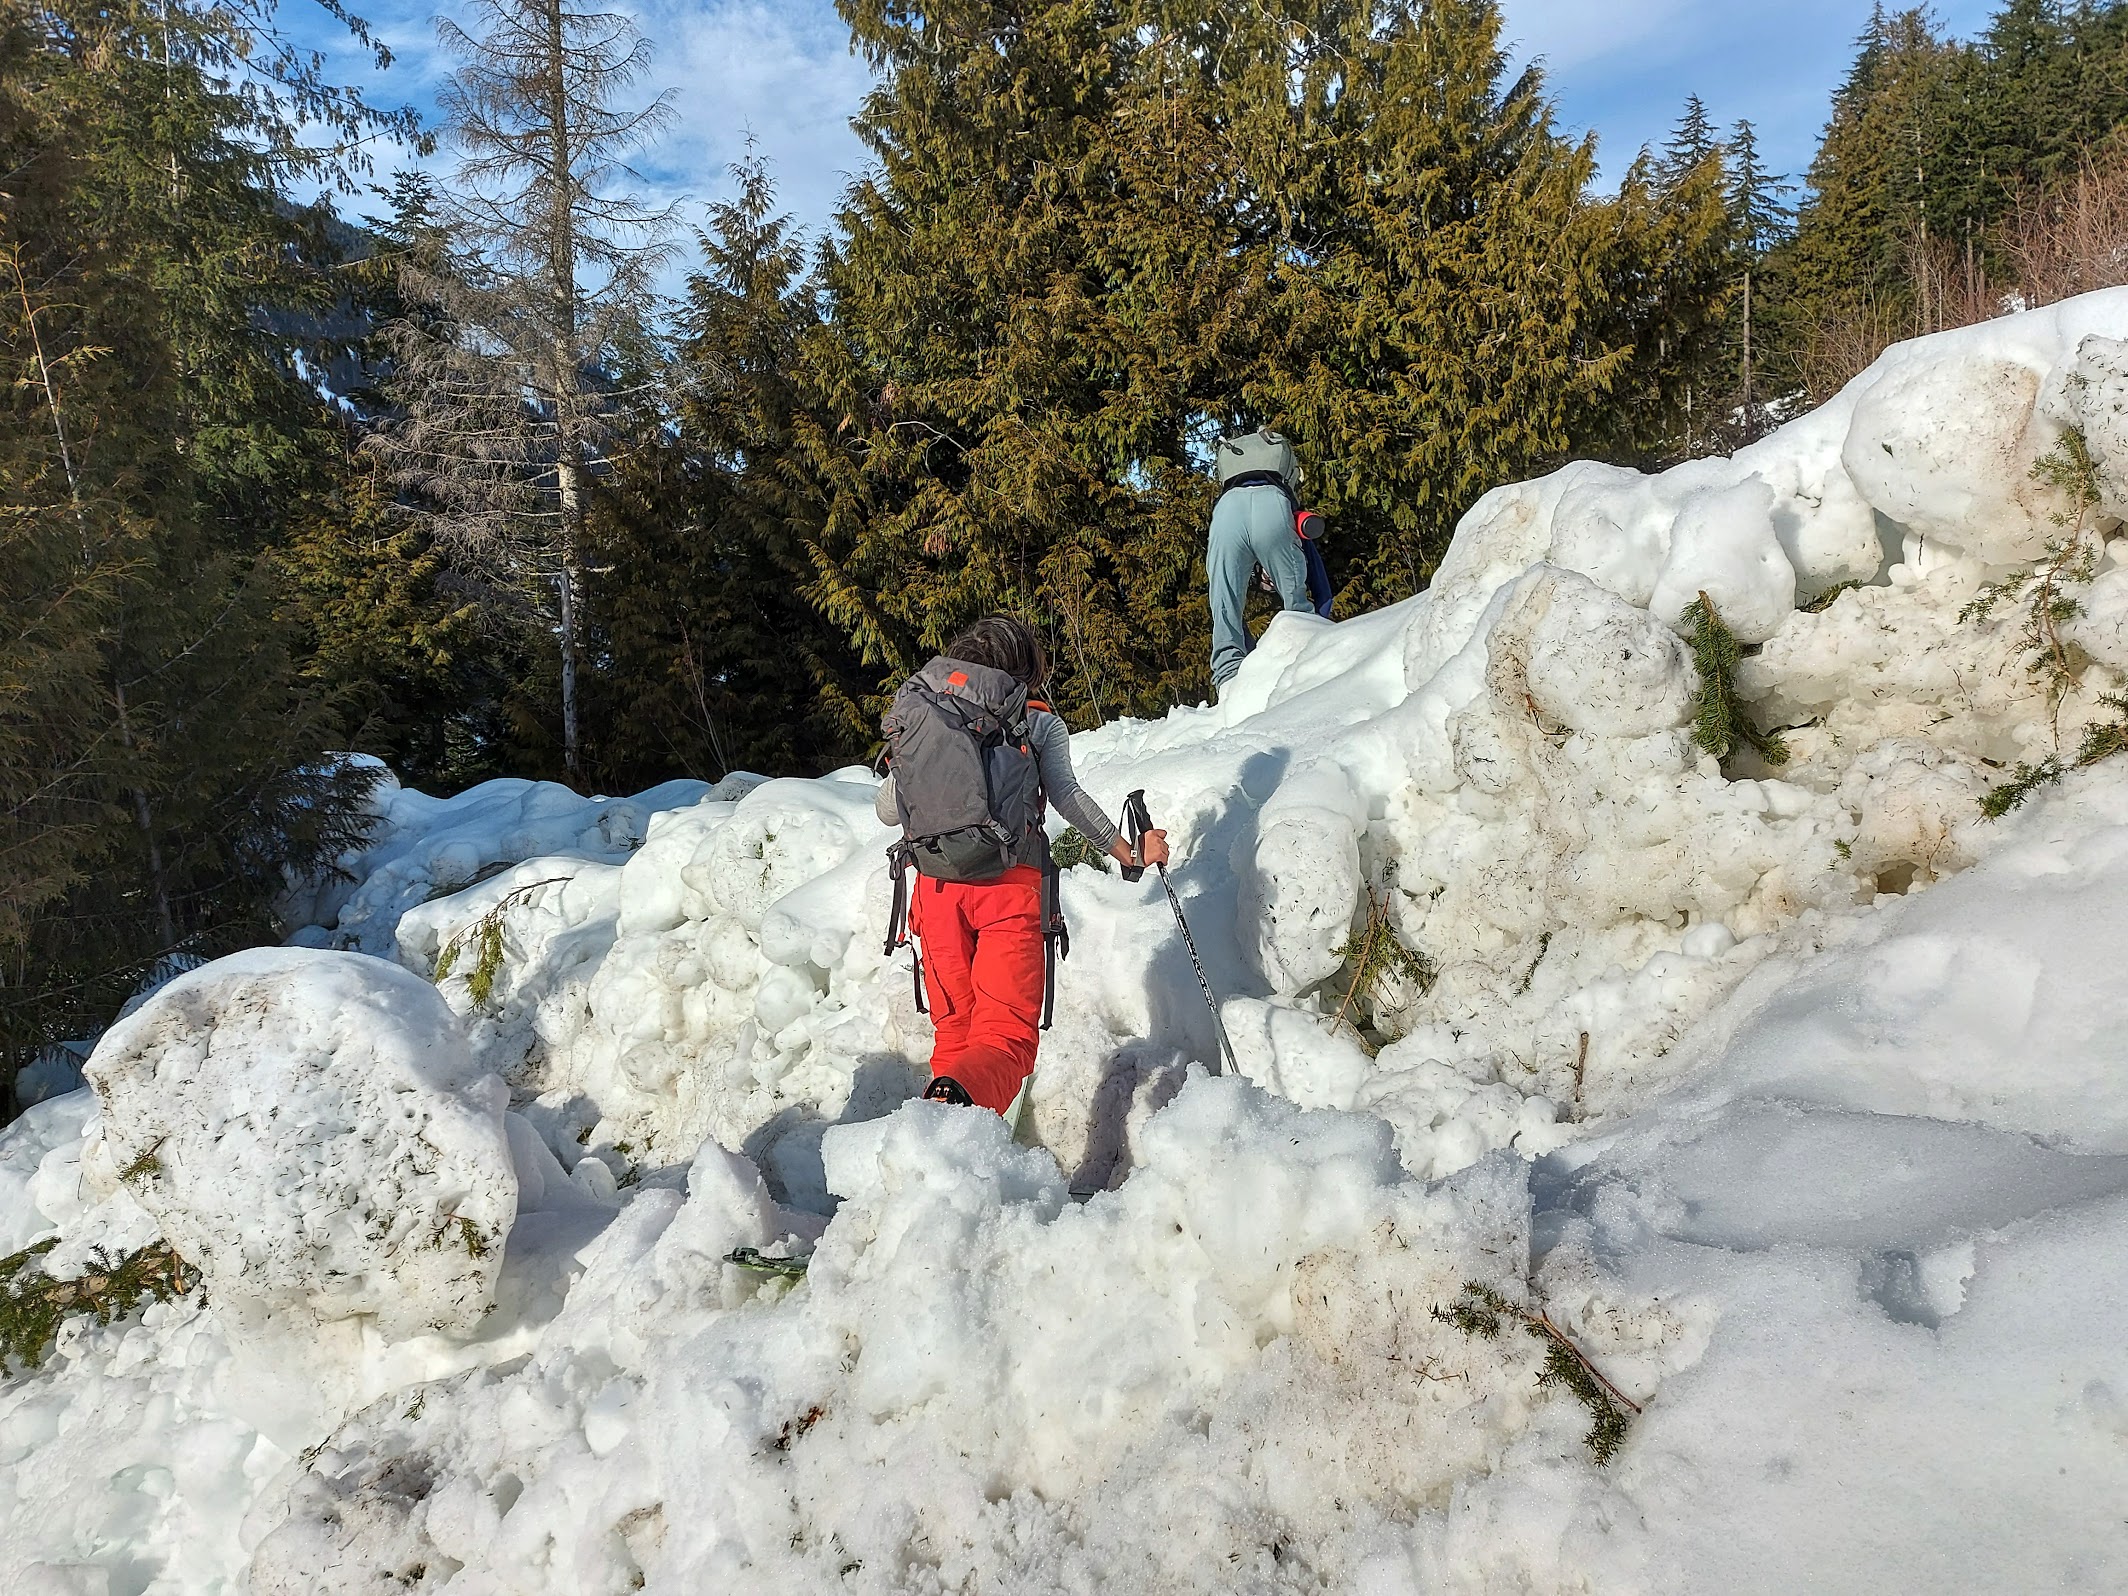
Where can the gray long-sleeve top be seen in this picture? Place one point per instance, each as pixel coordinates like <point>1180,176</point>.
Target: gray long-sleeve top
<point>1051,740</point>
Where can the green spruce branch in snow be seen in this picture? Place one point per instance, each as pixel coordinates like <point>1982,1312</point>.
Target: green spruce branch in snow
<point>485,937</point>
<point>1374,954</point>
<point>1719,721</point>
<point>1073,849</point>
<point>1481,1311</point>
<point>2049,593</point>
<point>33,1304</point>
<point>458,1229</point>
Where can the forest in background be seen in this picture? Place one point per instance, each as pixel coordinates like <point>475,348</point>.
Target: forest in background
<point>427,469</point>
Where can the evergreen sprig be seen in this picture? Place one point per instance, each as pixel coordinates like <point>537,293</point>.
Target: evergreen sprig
<point>1073,849</point>
<point>485,937</point>
<point>33,1304</point>
<point>1481,1311</point>
<point>1375,954</point>
<point>2101,741</point>
<point>2048,592</point>
<point>1720,720</point>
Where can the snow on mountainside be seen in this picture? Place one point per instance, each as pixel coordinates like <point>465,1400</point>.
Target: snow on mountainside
<point>1797,1098</point>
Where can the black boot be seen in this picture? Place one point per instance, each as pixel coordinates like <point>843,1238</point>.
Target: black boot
<point>945,1089</point>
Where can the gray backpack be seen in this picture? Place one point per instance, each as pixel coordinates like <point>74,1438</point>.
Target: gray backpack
<point>1262,453</point>
<point>966,781</point>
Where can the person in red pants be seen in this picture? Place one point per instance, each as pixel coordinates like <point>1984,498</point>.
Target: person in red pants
<point>983,958</point>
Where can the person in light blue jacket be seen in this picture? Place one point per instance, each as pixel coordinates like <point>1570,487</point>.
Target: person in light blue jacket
<point>1253,527</point>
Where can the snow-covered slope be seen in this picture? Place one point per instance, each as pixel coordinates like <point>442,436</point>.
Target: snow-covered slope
<point>1795,1098</point>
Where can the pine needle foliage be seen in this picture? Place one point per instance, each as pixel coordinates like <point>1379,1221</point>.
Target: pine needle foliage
<point>709,657</point>
<point>168,313</point>
<point>485,937</point>
<point>1072,849</point>
<point>1936,153</point>
<point>2025,780</point>
<point>2048,591</point>
<point>1096,237</point>
<point>458,1230</point>
<point>33,1304</point>
<point>1482,1311</point>
<point>1720,721</point>
<point>1374,954</point>
<point>2101,741</point>
<point>1825,600</point>
<point>2048,594</point>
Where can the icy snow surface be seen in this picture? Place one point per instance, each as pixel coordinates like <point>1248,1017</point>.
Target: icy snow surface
<point>1799,1099</point>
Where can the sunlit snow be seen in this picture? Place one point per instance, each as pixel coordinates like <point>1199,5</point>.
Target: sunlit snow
<point>1799,1100</point>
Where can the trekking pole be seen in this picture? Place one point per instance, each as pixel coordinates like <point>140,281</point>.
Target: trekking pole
<point>1136,823</point>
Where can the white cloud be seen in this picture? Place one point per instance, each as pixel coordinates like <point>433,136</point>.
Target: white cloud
<point>1573,33</point>
<point>780,71</point>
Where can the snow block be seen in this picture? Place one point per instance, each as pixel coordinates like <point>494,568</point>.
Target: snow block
<point>305,1127</point>
<point>1298,879</point>
<point>1944,446</point>
<point>1598,665</point>
<point>1724,545</point>
<point>2097,391</point>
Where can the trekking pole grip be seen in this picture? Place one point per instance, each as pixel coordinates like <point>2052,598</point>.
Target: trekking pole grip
<point>1136,823</point>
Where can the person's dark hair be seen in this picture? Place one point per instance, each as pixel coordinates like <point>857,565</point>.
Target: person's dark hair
<point>1003,644</point>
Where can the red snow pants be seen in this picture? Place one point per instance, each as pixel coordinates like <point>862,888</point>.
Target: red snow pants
<point>982,943</point>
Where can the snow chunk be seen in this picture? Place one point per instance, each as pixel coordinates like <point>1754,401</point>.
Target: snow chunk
<point>1295,1054</point>
<point>1724,545</point>
<point>2098,403</point>
<point>51,1127</point>
<point>1298,878</point>
<point>1944,446</point>
<point>1597,664</point>
<point>2100,626</point>
<point>305,1128</point>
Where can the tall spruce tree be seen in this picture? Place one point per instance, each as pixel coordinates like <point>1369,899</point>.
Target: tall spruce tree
<point>163,322</point>
<point>1882,187</point>
<point>1760,221</point>
<point>1097,236</point>
<point>1674,400</point>
<point>1449,332</point>
<point>710,659</point>
<point>538,293</point>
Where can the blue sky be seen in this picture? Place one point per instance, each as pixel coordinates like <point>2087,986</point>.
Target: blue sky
<point>782,71</point>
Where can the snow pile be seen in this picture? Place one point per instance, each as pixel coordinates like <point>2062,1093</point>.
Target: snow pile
<point>306,1130</point>
<point>1792,1096</point>
<point>1212,1377</point>
<point>425,847</point>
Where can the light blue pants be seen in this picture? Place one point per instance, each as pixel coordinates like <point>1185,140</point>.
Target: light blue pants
<point>1250,527</point>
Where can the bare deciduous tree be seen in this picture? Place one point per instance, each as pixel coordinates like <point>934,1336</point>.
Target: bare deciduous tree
<point>528,292</point>
<point>2073,238</point>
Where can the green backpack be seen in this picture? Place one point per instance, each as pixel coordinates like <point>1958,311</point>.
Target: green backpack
<point>1262,453</point>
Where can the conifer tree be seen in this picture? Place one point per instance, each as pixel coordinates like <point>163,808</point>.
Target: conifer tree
<point>1100,236</point>
<point>1880,190</point>
<point>1675,398</point>
<point>504,380</point>
<point>986,410</point>
<point>1451,337</point>
<point>1759,221</point>
<point>162,320</point>
<point>710,659</point>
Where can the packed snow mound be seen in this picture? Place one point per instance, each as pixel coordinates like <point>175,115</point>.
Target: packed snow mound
<point>1501,771</point>
<point>1792,1094</point>
<point>422,847</point>
<point>308,1130</point>
<point>1177,1386</point>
